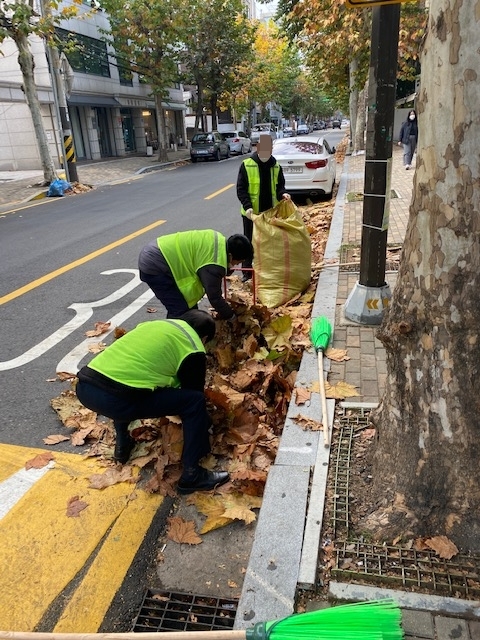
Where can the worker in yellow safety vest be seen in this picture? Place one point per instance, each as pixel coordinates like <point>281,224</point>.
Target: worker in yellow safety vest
<point>260,186</point>
<point>181,267</point>
<point>157,369</point>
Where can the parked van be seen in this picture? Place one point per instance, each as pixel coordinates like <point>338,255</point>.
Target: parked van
<point>263,127</point>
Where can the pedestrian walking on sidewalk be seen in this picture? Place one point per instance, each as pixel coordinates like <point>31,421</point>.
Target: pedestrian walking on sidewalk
<point>181,267</point>
<point>409,138</point>
<point>157,369</point>
<point>260,186</point>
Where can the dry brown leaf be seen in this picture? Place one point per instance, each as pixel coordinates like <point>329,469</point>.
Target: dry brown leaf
<point>39,461</point>
<point>63,376</point>
<point>118,332</point>
<point>97,347</point>
<point>182,531</point>
<point>110,477</point>
<point>338,355</point>
<point>100,327</point>
<point>308,423</point>
<point>75,506</point>
<point>340,391</point>
<point>442,546</point>
<point>151,310</point>
<point>55,439</point>
<point>302,395</point>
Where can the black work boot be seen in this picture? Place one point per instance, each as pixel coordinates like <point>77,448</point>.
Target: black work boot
<point>123,448</point>
<point>200,479</point>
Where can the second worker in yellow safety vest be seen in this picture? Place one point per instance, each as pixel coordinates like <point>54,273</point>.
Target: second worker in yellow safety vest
<point>181,267</point>
<point>260,186</point>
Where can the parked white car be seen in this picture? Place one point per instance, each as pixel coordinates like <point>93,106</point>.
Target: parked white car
<point>308,164</point>
<point>263,127</point>
<point>238,141</point>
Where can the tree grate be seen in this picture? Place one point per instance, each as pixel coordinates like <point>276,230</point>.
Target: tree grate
<point>350,256</point>
<point>341,454</point>
<point>168,611</point>
<point>393,566</point>
<point>408,568</point>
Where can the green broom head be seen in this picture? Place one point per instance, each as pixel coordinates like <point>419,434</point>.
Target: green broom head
<point>320,333</point>
<point>373,620</point>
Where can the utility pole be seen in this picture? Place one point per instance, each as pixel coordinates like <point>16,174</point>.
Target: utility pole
<point>371,294</point>
<point>69,159</point>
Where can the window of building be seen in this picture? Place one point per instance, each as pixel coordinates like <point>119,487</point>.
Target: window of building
<point>85,54</point>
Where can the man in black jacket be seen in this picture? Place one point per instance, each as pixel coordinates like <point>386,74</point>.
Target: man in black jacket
<point>260,186</point>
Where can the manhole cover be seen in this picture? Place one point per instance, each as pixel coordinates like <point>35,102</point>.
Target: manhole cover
<point>168,611</point>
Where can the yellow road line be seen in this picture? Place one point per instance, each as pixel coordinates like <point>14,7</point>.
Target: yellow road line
<point>217,193</point>
<point>76,263</point>
<point>85,614</point>
<point>43,549</point>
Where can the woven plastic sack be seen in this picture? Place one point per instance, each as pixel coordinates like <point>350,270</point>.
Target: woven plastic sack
<point>282,254</point>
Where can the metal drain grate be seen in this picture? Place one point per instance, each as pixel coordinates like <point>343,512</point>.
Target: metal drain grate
<point>409,568</point>
<point>167,611</point>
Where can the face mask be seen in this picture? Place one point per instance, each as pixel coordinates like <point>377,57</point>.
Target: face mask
<point>412,117</point>
<point>264,158</point>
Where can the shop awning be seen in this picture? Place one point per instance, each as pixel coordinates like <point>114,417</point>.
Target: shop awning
<point>93,101</point>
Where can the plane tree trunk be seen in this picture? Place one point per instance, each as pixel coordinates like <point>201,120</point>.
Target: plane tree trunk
<point>27,66</point>
<point>426,462</point>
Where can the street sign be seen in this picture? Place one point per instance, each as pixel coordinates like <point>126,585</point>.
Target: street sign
<point>353,4</point>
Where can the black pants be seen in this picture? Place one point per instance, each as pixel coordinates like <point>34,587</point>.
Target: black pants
<point>189,405</point>
<point>165,289</point>
<point>247,231</point>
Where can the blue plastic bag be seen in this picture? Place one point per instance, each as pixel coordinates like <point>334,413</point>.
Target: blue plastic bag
<point>57,188</point>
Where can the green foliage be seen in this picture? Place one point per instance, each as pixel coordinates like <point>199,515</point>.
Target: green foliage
<point>216,45</point>
<point>145,33</point>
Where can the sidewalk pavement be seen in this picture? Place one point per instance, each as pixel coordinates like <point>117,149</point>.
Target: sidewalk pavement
<point>20,186</point>
<point>288,542</point>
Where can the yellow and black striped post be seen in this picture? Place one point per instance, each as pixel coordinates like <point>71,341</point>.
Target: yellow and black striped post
<point>69,158</point>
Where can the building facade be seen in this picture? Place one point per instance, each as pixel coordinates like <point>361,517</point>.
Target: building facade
<point>112,113</point>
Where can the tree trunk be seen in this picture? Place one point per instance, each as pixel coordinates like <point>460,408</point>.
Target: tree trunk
<point>426,477</point>
<point>162,131</point>
<point>213,109</point>
<point>27,66</point>
<point>359,142</point>
<point>353,100</point>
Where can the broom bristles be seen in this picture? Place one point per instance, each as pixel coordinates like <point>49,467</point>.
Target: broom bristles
<point>320,333</point>
<point>372,620</point>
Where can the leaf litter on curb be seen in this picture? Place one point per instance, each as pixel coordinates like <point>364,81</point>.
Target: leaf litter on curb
<point>251,374</point>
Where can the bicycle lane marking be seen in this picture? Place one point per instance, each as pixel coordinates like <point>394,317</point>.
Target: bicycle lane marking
<point>43,549</point>
<point>70,362</point>
<point>83,312</point>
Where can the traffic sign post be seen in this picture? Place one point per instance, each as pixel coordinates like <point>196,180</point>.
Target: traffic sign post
<point>371,294</point>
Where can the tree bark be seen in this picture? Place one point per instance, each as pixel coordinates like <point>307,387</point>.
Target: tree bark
<point>359,142</point>
<point>426,462</point>
<point>162,133</point>
<point>353,101</point>
<point>27,66</point>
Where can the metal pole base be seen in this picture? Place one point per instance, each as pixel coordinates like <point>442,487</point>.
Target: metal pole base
<point>365,305</point>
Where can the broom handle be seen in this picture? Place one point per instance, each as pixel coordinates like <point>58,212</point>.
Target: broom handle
<point>229,634</point>
<point>323,397</point>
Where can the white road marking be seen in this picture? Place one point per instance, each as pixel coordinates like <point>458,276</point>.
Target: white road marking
<point>71,361</point>
<point>16,486</point>
<point>83,312</point>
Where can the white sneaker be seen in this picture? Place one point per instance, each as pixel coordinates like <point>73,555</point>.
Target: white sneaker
<point>407,166</point>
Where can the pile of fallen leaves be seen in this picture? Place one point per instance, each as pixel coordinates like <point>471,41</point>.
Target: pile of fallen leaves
<point>250,381</point>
